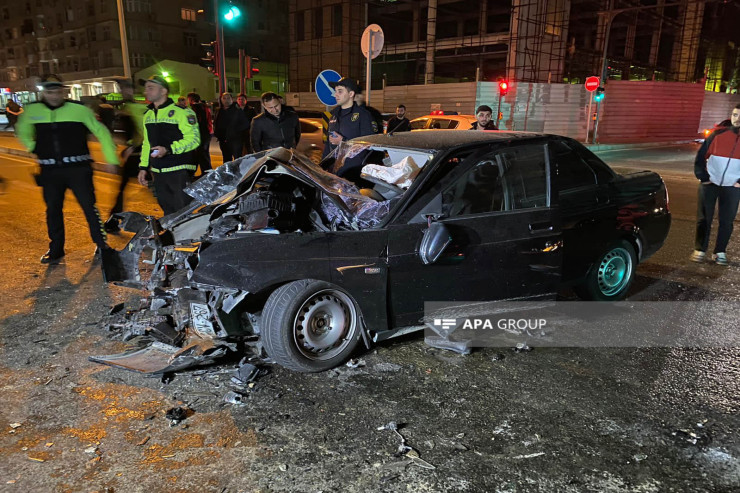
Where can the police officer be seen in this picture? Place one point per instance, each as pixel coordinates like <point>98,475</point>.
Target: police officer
<point>170,137</point>
<point>132,119</point>
<point>56,129</point>
<point>348,120</point>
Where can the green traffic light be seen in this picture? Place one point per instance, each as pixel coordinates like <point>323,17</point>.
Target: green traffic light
<point>232,13</point>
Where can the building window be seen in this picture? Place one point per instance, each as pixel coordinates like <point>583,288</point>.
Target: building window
<point>187,14</point>
<point>257,85</point>
<point>72,41</point>
<point>6,14</point>
<point>336,20</point>
<point>104,6</point>
<point>143,6</point>
<point>91,9</point>
<point>70,15</point>
<point>189,39</point>
<point>318,22</point>
<point>300,26</point>
<point>106,33</point>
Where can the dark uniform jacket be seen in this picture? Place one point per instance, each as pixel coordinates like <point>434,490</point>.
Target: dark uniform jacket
<point>269,131</point>
<point>175,129</point>
<point>350,123</point>
<point>58,136</point>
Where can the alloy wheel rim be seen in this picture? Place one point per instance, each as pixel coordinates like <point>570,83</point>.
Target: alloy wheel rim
<point>324,325</point>
<point>615,271</point>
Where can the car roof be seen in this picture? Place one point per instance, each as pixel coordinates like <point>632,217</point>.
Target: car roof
<point>436,140</point>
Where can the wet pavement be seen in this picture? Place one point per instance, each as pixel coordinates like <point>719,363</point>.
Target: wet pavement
<point>546,420</point>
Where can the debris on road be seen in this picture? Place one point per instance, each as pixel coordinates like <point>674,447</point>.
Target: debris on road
<point>177,414</point>
<point>440,342</point>
<point>355,363</point>
<point>232,397</point>
<point>528,456</point>
<point>406,450</point>
<point>522,347</point>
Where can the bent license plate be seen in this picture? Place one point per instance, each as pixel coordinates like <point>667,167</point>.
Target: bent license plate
<point>200,316</point>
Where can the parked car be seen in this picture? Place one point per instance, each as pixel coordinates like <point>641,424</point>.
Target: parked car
<point>443,122</point>
<point>276,248</point>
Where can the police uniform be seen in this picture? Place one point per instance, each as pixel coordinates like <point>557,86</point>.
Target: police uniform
<point>132,116</point>
<point>58,137</point>
<point>175,129</point>
<point>352,122</point>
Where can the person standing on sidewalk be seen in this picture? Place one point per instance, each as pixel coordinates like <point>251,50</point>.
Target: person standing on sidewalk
<point>56,129</point>
<point>717,166</point>
<point>132,119</point>
<point>229,128</point>
<point>170,137</point>
<point>203,152</point>
<point>275,127</point>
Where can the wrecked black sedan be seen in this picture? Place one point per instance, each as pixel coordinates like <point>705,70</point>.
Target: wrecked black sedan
<point>275,248</point>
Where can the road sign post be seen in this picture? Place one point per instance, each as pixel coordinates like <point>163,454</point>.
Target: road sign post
<point>371,45</point>
<point>592,83</point>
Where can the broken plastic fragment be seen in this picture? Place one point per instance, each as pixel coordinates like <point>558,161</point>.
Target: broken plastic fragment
<point>234,398</point>
<point>522,347</point>
<point>176,414</point>
<point>355,363</point>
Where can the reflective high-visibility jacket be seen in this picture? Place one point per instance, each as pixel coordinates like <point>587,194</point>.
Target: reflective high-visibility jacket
<point>58,136</point>
<point>175,129</point>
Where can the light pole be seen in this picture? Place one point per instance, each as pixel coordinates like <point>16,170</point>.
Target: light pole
<point>220,46</point>
<point>124,40</point>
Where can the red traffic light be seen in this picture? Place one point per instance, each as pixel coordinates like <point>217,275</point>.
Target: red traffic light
<point>503,87</point>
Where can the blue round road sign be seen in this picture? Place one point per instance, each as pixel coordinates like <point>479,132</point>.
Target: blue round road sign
<point>323,91</point>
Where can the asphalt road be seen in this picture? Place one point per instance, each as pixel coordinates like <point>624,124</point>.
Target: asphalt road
<point>651,419</point>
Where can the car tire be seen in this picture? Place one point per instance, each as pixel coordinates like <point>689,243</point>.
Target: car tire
<point>310,326</point>
<point>612,274</point>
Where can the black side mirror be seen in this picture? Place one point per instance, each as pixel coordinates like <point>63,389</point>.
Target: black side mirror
<point>434,242</point>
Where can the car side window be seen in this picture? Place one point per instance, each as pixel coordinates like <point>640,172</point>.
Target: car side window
<point>509,179</point>
<point>604,174</point>
<point>572,171</point>
<point>419,124</point>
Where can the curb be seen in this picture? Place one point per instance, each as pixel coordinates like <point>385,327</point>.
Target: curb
<point>616,147</point>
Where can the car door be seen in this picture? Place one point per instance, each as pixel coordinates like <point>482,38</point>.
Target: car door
<point>585,206</point>
<point>505,236</point>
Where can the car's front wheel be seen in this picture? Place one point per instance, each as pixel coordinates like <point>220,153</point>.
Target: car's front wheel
<point>310,325</point>
<point>612,274</point>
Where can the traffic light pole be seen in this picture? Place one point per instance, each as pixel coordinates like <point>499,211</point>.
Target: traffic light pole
<point>221,60</point>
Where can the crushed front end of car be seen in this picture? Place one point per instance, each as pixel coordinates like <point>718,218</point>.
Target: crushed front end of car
<point>244,208</point>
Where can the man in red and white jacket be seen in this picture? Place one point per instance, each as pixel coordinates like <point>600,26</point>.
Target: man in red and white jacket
<point>717,167</point>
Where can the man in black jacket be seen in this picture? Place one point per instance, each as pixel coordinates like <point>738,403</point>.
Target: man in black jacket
<point>203,152</point>
<point>229,128</point>
<point>399,123</point>
<point>241,101</point>
<point>275,127</point>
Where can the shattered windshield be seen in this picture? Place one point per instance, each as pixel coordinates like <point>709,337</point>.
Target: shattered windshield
<point>343,204</point>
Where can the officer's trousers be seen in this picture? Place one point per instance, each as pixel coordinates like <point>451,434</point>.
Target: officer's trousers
<point>55,180</point>
<point>169,187</point>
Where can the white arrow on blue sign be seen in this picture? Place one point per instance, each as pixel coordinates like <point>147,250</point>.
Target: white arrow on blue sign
<point>323,91</point>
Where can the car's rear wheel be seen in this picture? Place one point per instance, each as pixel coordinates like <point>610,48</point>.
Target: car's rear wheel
<point>611,276</point>
<point>310,326</point>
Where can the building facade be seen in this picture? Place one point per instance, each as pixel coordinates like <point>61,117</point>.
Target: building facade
<point>433,41</point>
<point>80,41</point>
